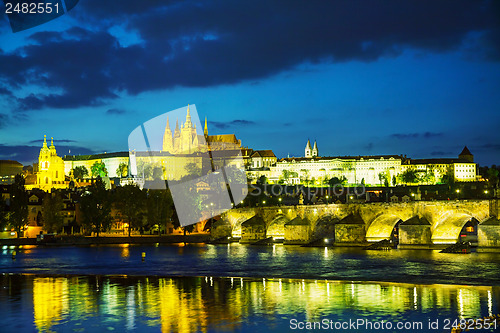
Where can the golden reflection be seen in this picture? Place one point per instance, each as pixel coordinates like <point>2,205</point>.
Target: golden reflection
<point>125,251</point>
<point>490,304</point>
<point>203,304</point>
<point>50,301</point>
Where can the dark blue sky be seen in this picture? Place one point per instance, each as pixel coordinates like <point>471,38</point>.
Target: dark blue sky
<point>419,78</point>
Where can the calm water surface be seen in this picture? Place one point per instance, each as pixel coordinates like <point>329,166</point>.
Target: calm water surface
<point>216,288</point>
<point>418,266</point>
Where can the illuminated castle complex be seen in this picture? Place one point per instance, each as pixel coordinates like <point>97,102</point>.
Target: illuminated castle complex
<point>185,148</point>
<point>184,140</point>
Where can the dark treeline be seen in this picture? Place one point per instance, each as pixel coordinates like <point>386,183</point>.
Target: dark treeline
<point>143,210</point>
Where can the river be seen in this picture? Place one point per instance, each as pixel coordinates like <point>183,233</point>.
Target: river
<point>212,288</point>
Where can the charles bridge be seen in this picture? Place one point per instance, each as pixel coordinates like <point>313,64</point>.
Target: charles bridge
<point>417,224</point>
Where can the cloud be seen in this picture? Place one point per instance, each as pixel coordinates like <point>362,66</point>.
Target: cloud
<point>441,153</point>
<point>27,154</point>
<point>4,120</point>
<point>489,146</point>
<point>425,135</point>
<point>56,140</point>
<point>236,122</point>
<point>115,111</point>
<point>5,92</point>
<point>199,43</point>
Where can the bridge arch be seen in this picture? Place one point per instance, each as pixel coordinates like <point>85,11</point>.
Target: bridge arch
<point>277,227</point>
<point>383,227</point>
<point>448,229</point>
<point>324,227</point>
<point>236,226</point>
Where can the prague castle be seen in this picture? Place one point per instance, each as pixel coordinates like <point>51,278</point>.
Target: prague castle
<point>180,149</point>
<point>184,140</point>
<point>186,148</point>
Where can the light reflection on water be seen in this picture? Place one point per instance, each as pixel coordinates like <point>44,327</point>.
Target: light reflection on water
<point>416,266</point>
<point>208,304</point>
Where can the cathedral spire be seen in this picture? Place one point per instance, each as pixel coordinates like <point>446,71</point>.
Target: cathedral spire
<point>315,149</point>
<point>205,131</point>
<point>308,150</point>
<point>188,124</point>
<point>167,138</point>
<point>44,141</point>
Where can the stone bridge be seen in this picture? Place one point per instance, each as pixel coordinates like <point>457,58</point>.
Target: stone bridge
<point>417,222</point>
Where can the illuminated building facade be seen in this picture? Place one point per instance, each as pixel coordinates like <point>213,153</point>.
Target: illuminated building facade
<point>50,173</point>
<point>369,170</point>
<point>182,149</point>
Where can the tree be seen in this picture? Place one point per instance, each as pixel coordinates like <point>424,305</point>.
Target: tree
<point>383,177</point>
<point>96,207</point>
<point>158,172</point>
<point>130,200</point>
<point>122,170</point>
<point>429,177</point>
<point>448,178</point>
<point>159,206</point>
<point>492,176</point>
<point>192,171</point>
<point>98,169</point>
<point>3,213</point>
<point>285,176</point>
<point>18,216</point>
<point>144,169</point>
<point>80,172</point>
<point>409,176</point>
<point>336,181</point>
<point>191,208</point>
<point>305,176</point>
<point>52,207</point>
<point>262,180</point>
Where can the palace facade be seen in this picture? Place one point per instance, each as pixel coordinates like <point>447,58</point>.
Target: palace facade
<point>370,170</point>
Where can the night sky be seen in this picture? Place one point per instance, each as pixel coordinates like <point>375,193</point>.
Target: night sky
<point>419,78</point>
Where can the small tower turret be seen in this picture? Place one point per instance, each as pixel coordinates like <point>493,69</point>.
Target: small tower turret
<point>52,148</point>
<point>308,150</point>
<point>466,155</point>
<point>315,149</point>
<point>167,139</point>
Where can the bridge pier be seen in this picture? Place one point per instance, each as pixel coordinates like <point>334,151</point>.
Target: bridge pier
<point>488,235</point>
<point>422,224</point>
<point>415,233</point>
